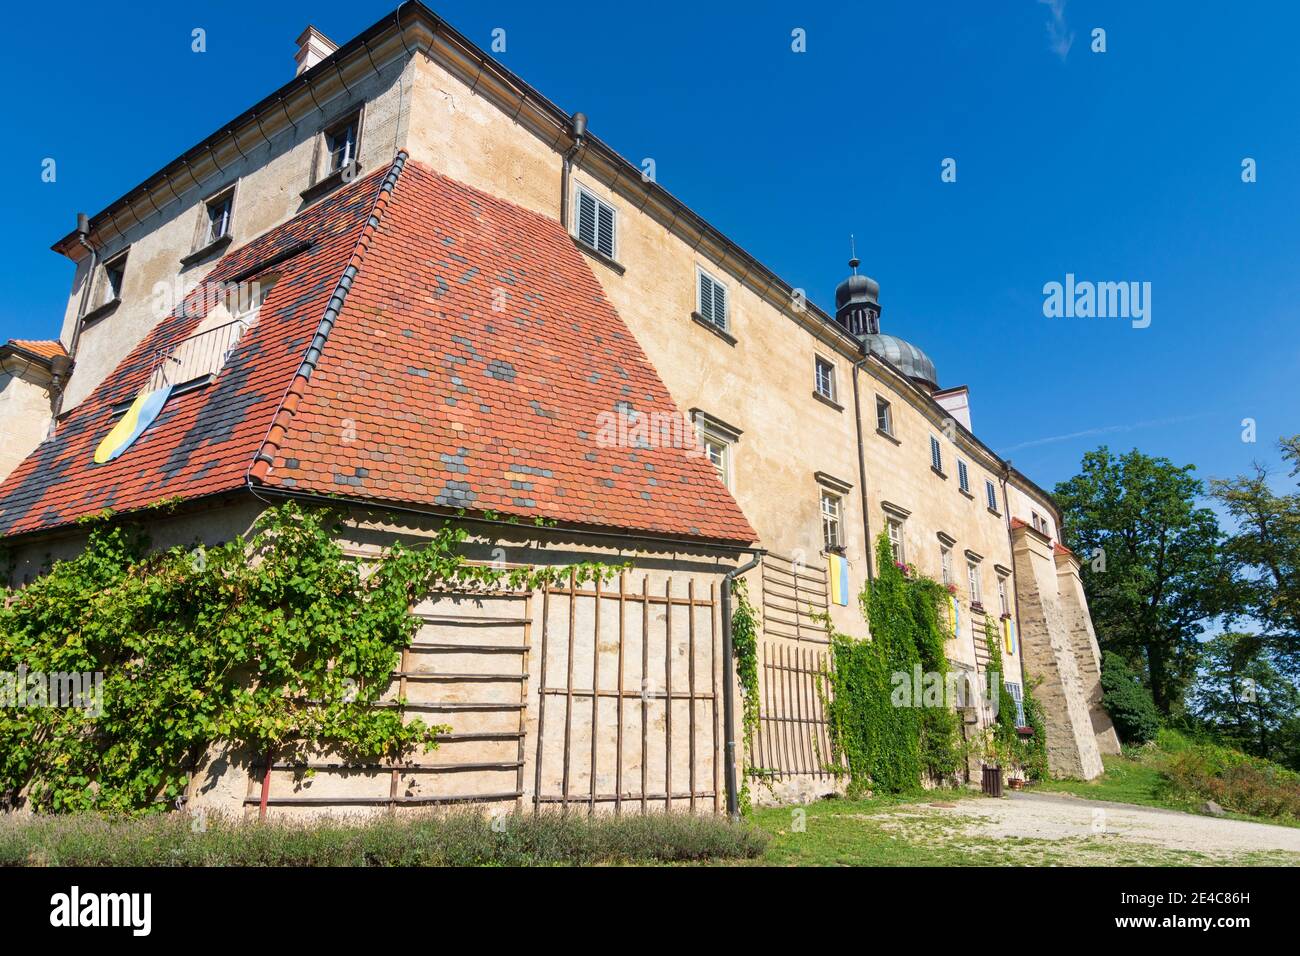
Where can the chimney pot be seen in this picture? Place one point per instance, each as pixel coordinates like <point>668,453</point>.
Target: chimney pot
<point>313,46</point>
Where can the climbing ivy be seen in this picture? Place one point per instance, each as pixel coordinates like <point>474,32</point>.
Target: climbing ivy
<point>891,747</point>
<point>744,645</point>
<point>277,644</point>
<point>1029,754</point>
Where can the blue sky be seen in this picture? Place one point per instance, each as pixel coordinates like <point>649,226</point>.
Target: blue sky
<point>1115,166</point>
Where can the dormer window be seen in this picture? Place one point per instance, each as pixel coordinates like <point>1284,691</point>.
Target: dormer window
<point>337,156</point>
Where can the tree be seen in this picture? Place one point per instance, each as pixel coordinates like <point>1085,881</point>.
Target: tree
<point>1152,565</point>
<point>1243,699</point>
<point>1127,701</point>
<point>1266,552</point>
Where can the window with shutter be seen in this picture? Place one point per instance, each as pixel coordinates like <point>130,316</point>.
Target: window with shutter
<point>991,493</point>
<point>712,300</point>
<point>595,223</point>
<point>936,455</point>
<point>963,476</point>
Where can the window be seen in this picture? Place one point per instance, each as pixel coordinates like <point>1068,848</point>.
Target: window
<point>945,564</point>
<point>963,476</point>
<point>832,512</point>
<point>110,283</point>
<point>973,578</point>
<point>884,416</point>
<point>1014,691</point>
<point>825,378</point>
<point>991,493</point>
<point>936,455</point>
<point>1040,523</point>
<point>719,453</point>
<point>896,545</point>
<point>1004,602</point>
<point>594,223</point>
<point>341,144</point>
<point>711,301</point>
<point>217,213</point>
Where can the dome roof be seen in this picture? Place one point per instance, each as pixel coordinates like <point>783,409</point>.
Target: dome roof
<point>857,289</point>
<point>904,356</point>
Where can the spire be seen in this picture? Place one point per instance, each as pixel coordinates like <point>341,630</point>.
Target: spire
<point>854,262</point>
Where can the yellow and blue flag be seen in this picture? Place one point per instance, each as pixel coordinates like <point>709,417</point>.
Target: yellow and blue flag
<point>131,426</point>
<point>839,578</point>
<point>1009,632</point>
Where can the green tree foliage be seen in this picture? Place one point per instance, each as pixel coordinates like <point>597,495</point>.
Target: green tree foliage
<point>1127,701</point>
<point>1244,701</point>
<point>1266,551</point>
<point>1151,562</point>
<point>889,746</point>
<point>276,644</point>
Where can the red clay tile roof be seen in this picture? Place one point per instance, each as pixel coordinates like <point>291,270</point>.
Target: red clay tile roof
<point>1059,548</point>
<point>1018,523</point>
<point>472,366</point>
<point>203,442</point>
<point>43,348</point>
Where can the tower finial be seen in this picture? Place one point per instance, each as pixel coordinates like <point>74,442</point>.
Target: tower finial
<point>853,255</point>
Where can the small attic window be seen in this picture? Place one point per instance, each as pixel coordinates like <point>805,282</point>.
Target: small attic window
<point>110,280</point>
<point>594,223</point>
<point>341,143</point>
<point>218,212</point>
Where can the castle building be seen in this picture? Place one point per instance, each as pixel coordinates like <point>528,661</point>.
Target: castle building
<point>407,284</point>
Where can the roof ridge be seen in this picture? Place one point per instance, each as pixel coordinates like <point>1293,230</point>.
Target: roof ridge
<point>275,434</point>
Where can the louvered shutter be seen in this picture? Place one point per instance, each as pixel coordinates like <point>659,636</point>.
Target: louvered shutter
<point>587,218</point>
<point>605,232</point>
<point>713,301</point>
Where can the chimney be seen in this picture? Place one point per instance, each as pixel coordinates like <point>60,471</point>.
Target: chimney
<point>313,46</point>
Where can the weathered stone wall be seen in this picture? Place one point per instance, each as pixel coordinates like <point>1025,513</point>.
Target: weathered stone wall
<point>1050,659</point>
<point>1087,654</point>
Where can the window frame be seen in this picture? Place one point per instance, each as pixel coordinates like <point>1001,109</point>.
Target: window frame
<point>991,495</point>
<point>701,275</point>
<point>963,476</point>
<point>897,540</point>
<point>115,263</point>
<point>936,456</point>
<point>833,518</point>
<point>945,564</point>
<point>1004,600</point>
<point>580,190</point>
<point>820,363</point>
<point>973,583</point>
<point>723,471</point>
<point>323,175</point>
<point>883,404</point>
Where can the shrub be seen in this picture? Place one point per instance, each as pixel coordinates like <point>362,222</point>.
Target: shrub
<point>1233,780</point>
<point>458,838</point>
<point>1127,701</point>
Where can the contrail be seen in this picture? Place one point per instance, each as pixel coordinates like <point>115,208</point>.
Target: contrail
<point>1104,430</point>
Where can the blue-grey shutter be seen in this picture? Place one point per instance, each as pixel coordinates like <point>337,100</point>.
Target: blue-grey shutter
<point>587,218</point>
<point>605,234</point>
<point>936,460</point>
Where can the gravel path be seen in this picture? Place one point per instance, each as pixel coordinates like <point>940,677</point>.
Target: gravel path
<point>1051,816</point>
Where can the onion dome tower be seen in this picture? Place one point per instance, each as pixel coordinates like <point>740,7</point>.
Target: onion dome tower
<point>857,309</point>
